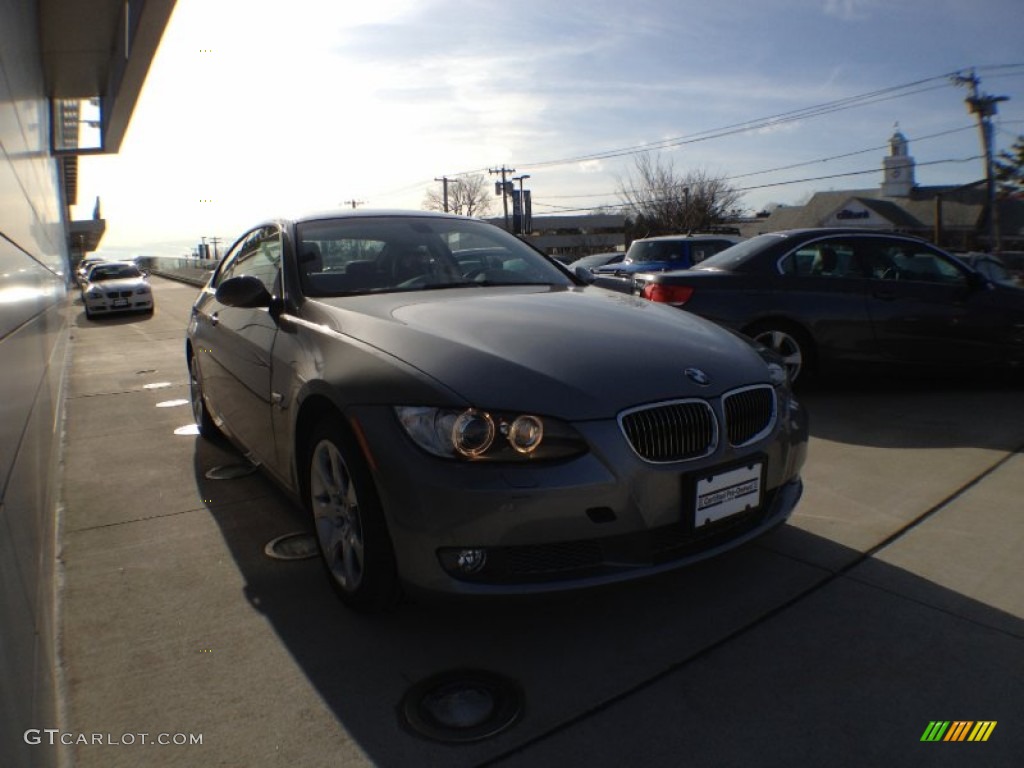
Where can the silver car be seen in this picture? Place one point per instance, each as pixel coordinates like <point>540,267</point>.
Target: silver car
<point>460,414</point>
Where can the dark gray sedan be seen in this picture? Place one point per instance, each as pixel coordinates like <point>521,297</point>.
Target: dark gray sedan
<point>460,414</point>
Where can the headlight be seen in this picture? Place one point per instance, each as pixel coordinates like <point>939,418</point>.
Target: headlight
<point>142,291</point>
<point>479,435</point>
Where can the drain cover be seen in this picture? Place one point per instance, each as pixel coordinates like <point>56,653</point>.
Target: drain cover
<point>230,471</point>
<point>293,546</point>
<point>462,706</point>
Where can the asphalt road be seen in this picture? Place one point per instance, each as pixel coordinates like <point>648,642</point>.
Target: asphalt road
<point>894,598</point>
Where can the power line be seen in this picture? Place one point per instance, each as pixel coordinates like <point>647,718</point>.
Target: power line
<point>751,125</point>
<point>825,108</point>
<point>791,181</point>
<point>792,165</point>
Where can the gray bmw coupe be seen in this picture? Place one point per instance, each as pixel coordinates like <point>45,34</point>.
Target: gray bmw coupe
<point>458,413</point>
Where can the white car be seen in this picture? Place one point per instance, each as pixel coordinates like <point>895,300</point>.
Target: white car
<point>116,287</point>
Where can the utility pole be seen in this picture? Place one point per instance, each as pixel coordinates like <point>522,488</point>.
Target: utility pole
<point>984,106</point>
<point>444,181</point>
<point>215,241</point>
<point>522,203</point>
<point>504,189</point>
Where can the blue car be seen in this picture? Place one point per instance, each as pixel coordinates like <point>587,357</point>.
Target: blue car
<point>660,254</point>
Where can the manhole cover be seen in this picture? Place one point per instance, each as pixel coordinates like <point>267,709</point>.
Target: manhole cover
<point>462,706</point>
<point>293,546</point>
<point>230,471</point>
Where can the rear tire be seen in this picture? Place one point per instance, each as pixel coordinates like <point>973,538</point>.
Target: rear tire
<point>791,343</point>
<point>355,545</point>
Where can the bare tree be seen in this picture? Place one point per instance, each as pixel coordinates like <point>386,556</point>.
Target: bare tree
<point>667,202</point>
<point>467,195</point>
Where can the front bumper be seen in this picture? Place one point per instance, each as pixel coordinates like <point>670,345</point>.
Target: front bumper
<point>108,304</point>
<point>604,517</point>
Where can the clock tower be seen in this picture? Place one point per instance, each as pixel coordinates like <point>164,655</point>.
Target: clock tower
<point>898,167</point>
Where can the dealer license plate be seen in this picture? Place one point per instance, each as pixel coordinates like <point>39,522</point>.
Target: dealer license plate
<point>728,493</point>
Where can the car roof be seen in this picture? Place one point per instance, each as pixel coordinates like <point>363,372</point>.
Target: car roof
<point>360,213</point>
<point>833,231</point>
<point>703,236</point>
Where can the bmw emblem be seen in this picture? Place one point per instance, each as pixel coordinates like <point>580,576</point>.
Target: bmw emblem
<point>697,376</point>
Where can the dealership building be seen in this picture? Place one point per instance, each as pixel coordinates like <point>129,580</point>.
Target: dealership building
<point>954,217</point>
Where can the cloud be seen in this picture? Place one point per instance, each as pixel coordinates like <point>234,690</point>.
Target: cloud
<point>850,10</point>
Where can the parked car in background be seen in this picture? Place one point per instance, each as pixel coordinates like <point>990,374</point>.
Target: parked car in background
<point>991,266</point>
<point>658,254</point>
<point>459,414</point>
<point>821,297</point>
<point>112,287</point>
<point>82,270</point>
<point>595,260</point>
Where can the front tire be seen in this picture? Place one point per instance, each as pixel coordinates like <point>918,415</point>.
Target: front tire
<point>200,413</point>
<point>350,527</point>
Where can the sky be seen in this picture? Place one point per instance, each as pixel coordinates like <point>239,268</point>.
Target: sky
<point>267,108</point>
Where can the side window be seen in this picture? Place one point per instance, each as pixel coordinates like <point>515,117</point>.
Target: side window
<point>674,252</point>
<point>907,260</point>
<point>708,248</point>
<point>258,255</point>
<point>824,258</point>
<point>227,264</point>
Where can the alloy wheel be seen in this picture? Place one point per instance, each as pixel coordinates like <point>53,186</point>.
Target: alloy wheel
<point>336,515</point>
<point>785,345</point>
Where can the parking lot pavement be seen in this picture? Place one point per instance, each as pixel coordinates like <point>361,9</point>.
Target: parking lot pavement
<point>892,599</point>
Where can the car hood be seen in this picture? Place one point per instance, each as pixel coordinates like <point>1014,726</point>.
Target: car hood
<point>120,284</point>
<point>578,353</point>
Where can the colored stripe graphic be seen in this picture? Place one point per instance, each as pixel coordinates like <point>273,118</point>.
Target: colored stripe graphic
<point>935,731</point>
<point>958,730</point>
<point>982,730</point>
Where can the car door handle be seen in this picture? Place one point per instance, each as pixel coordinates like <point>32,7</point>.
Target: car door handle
<point>214,319</point>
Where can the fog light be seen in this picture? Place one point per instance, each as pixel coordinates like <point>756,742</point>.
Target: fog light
<point>471,560</point>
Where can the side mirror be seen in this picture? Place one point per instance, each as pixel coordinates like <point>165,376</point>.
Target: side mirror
<point>584,274</point>
<point>243,291</point>
<point>978,281</point>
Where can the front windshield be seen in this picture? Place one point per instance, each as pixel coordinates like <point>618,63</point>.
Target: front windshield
<point>113,272</point>
<point>381,254</point>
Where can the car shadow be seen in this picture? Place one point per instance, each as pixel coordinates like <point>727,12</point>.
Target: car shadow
<point>918,411</point>
<point>120,318</point>
<point>766,655</point>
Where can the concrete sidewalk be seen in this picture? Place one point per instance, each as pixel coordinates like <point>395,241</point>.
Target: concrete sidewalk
<point>894,598</point>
